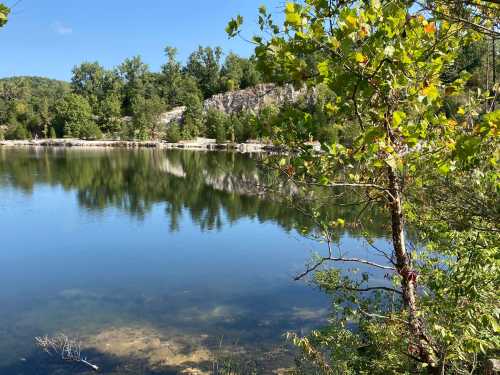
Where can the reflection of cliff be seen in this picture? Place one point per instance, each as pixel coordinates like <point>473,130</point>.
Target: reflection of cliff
<point>213,188</point>
<point>251,183</point>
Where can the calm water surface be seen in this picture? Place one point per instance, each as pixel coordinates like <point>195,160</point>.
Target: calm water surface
<point>157,261</point>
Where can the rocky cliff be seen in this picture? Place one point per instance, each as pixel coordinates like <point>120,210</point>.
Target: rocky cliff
<point>250,99</point>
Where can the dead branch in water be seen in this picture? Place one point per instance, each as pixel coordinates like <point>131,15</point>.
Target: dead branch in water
<point>60,345</point>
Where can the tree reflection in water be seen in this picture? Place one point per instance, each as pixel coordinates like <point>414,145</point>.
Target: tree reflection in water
<point>214,187</point>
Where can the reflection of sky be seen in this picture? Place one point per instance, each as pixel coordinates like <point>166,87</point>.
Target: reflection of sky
<point>64,267</point>
<point>53,241</point>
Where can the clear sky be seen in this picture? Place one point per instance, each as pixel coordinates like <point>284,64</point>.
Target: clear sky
<point>49,37</point>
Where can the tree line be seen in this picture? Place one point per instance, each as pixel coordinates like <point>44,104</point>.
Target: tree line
<point>125,102</point>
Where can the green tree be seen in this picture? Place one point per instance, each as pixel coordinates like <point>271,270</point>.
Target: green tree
<point>134,74</point>
<point>216,123</point>
<point>171,78</point>
<point>173,133</point>
<point>192,125</point>
<point>384,62</point>
<point>88,81</point>
<point>45,117</point>
<point>205,66</point>
<point>17,131</point>
<point>52,132</point>
<point>109,113</point>
<point>146,115</point>
<point>73,118</point>
<point>232,72</point>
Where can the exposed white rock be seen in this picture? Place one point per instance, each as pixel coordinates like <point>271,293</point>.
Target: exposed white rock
<point>174,115</point>
<point>251,99</point>
<point>254,98</point>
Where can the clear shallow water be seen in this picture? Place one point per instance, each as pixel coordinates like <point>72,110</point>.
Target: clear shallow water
<point>158,261</point>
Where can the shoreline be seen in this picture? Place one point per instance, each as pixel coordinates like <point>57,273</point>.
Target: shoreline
<point>186,145</point>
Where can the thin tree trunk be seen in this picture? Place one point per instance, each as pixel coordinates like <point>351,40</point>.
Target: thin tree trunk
<point>494,71</point>
<point>418,346</point>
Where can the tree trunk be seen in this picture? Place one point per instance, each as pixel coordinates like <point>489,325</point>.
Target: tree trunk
<point>419,346</point>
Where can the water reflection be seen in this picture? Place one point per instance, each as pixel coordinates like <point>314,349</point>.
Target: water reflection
<point>117,247</point>
<point>209,186</point>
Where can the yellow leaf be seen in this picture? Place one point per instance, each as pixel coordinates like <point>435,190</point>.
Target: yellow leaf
<point>331,108</point>
<point>351,21</point>
<point>452,123</point>
<point>431,92</point>
<point>360,58</point>
<point>292,16</point>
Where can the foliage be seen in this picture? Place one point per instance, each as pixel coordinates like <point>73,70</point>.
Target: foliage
<point>215,124</point>
<point>73,118</point>
<point>193,117</point>
<point>238,73</point>
<point>29,101</point>
<point>17,131</point>
<point>130,90</point>
<point>387,67</point>
<point>204,65</point>
<point>146,114</point>
<point>4,13</point>
<point>173,133</point>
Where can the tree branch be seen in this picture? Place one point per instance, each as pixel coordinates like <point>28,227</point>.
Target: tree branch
<point>346,260</point>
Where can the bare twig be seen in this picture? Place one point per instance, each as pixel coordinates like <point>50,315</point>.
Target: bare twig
<point>60,345</point>
<point>341,259</point>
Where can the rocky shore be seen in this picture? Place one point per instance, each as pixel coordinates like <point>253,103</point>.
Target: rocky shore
<point>201,144</point>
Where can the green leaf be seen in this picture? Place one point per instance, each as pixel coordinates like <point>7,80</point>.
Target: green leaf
<point>233,27</point>
<point>397,118</point>
<point>324,68</point>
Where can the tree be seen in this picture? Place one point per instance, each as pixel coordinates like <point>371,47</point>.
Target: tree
<point>88,81</point>
<point>171,78</point>
<point>173,133</point>
<point>73,118</point>
<point>232,72</point>
<point>204,65</point>
<point>215,125</point>
<point>192,125</point>
<point>238,72</point>
<point>45,117</point>
<point>134,75</point>
<point>383,62</point>
<point>146,115</point>
<point>109,113</point>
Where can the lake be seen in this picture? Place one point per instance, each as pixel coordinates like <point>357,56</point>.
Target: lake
<point>158,261</point>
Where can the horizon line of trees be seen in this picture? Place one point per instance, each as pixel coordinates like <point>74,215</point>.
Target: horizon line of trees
<point>125,102</point>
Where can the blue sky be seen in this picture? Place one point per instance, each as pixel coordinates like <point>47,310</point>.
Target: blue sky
<point>49,37</point>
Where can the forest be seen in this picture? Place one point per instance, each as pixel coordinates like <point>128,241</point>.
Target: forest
<point>124,102</point>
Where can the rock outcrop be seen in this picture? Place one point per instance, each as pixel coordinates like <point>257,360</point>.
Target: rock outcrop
<point>251,99</point>
<point>254,98</point>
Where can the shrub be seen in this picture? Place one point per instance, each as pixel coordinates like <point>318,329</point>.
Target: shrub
<point>18,131</point>
<point>173,133</point>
